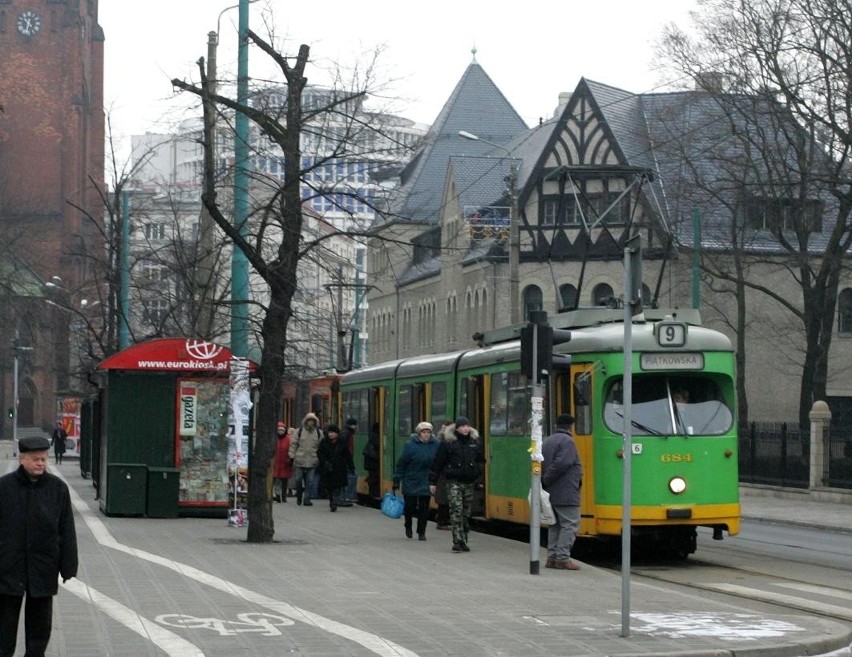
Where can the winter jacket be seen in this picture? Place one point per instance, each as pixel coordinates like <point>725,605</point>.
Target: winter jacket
<point>38,541</point>
<point>281,466</point>
<point>412,467</point>
<point>562,472</point>
<point>304,445</point>
<point>459,457</point>
<point>335,463</point>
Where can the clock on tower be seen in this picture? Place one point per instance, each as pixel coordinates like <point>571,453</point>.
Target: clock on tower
<point>28,23</point>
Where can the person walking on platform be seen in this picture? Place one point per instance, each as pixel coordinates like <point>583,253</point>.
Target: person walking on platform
<point>335,462</point>
<point>58,442</point>
<point>303,451</point>
<point>412,470</point>
<point>460,458</point>
<point>282,466</point>
<point>442,515</point>
<point>39,544</point>
<point>562,477</point>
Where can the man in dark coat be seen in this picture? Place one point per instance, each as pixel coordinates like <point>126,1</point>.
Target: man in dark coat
<point>335,462</point>
<point>38,543</point>
<point>58,440</point>
<point>562,476</point>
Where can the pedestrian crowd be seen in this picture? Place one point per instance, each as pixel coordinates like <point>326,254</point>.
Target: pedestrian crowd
<point>447,466</point>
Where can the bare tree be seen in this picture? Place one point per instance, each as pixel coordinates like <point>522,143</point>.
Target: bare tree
<point>276,241</point>
<point>780,72</point>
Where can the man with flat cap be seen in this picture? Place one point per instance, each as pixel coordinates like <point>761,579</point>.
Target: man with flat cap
<point>38,543</point>
<point>562,477</point>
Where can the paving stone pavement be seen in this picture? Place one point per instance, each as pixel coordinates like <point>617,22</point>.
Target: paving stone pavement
<point>350,583</point>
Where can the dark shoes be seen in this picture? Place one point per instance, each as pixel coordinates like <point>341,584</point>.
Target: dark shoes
<point>443,525</point>
<point>460,547</point>
<point>408,532</point>
<point>308,503</point>
<point>276,498</point>
<point>333,508</point>
<point>561,565</point>
<point>421,537</point>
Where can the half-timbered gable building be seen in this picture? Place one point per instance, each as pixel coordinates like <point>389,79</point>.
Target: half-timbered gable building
<point>494,219</point>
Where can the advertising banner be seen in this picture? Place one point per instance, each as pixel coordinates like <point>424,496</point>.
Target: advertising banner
<point>68,414</point>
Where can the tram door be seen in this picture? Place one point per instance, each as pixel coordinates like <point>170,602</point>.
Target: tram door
<point>576,389</point>
<point>472,406</point>
<point>377,416</point>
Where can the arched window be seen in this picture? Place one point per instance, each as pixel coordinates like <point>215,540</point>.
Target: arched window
<point>844,312</point>
<point>602,295</point>
<point>568,296</point>
<point>532,300</point>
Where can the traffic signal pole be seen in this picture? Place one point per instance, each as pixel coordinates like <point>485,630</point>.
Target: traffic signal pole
<point>536,457</point>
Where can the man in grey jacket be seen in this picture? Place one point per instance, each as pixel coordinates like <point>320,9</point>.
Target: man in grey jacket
<point>562,476</point>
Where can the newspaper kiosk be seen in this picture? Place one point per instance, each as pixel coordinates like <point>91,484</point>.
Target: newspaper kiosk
<point>165,436</point>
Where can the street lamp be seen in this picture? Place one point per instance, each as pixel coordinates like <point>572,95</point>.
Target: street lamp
<point>514,232</point>
<point>16,349</point>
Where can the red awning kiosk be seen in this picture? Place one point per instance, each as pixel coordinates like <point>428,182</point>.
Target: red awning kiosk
<point>164,434</point>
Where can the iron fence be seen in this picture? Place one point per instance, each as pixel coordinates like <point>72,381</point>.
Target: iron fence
<point>778,454</point>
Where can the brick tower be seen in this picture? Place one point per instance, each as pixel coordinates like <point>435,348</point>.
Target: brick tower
<point>51,176</point>
<point>51,133</point>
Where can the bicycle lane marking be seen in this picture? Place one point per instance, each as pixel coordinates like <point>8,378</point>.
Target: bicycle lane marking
<point>372,642</point>
<point>164,639</point>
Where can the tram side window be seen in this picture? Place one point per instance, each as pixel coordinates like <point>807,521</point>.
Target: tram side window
<point>438,410</point>
<point>509,404</point>
<point>355,405</point>
<point>406,407</point>
<point>583,403</point>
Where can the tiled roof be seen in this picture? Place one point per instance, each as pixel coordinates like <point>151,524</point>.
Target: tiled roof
<point>476,106</point>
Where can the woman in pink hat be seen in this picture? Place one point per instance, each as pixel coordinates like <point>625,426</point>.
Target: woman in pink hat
<point>282,466</point>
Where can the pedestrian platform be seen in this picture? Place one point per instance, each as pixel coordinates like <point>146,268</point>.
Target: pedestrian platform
<point>351,583</point>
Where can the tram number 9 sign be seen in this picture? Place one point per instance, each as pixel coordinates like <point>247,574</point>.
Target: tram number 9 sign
<point>671,334</point>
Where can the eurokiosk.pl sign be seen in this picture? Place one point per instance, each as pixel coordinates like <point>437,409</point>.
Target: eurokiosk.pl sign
<point>172,355</point>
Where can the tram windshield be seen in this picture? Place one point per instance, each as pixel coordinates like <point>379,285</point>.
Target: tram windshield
<point>669,405</point>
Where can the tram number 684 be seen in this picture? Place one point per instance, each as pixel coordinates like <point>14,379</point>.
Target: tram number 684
<point>676,458</point>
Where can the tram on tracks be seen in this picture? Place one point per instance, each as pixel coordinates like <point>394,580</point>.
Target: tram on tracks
<point>684,434</point>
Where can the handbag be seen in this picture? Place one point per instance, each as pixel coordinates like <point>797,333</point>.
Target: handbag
<point>546,516</point>
<point>392,505</point>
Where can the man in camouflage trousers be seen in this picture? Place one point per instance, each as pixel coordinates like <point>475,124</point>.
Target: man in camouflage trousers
<point>460,458</point>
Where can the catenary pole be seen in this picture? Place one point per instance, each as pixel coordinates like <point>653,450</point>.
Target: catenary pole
<point>239,262</point>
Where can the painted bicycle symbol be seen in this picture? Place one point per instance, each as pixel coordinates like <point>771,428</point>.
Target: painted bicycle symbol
<point>264,624</point>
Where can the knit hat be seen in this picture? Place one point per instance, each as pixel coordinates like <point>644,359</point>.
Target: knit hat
<point>351,422</point>
<point>332,428</point>
<point>565,420</point>
<point>423,426</point>
<point>462,421</point>
<point>281,426</point>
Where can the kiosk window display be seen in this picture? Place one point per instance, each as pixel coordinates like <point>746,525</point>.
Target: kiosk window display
<point>202,442</point>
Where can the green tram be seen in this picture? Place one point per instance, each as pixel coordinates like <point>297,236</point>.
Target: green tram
<point>684,438</point>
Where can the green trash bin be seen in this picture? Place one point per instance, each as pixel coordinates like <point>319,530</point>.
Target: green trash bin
<point>163,488</point>
<point>125,489</point>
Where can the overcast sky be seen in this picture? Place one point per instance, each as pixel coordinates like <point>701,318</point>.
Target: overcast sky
<point>532,49</point>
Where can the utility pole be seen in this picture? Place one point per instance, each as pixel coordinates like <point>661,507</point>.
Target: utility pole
<point>16,349</point>
<point>239,262</point>
<point>514,230</point>
<point>204,267</point>
<point>124,274</point>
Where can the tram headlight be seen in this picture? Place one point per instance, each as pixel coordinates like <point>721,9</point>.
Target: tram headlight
<point>677,485</point>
